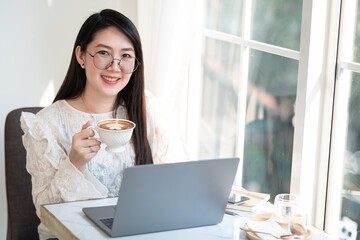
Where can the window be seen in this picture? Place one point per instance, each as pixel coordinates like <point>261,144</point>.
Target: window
<point>248,69</point>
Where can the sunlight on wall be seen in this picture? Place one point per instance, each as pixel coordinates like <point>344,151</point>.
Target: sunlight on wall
<point>50,3</point>
<point>48,94</point>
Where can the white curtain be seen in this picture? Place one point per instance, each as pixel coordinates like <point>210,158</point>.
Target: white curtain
<point>167,30</point>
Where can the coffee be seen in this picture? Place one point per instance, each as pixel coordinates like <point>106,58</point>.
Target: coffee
<point>115,124</point>
<point>115,133</point>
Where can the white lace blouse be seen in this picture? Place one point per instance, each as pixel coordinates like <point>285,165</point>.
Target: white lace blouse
<point>47,139</point>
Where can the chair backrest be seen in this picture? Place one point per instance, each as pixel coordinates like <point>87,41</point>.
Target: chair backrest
<point>22,218</point>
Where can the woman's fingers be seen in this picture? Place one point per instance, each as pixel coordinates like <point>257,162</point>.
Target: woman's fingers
<point>85,144</point>
<point>93,145</point>
<point>86,125</point>
<point>94,148</point>
<point>83,148</point>
<point>91,142</point>
<point>85,134</point>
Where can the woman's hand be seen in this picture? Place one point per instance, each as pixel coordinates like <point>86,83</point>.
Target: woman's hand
<point>83,149</point>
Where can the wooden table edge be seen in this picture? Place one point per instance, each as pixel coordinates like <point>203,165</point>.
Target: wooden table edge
<point>55,225</point>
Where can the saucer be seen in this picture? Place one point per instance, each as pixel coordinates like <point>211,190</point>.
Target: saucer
<point>266,216</point>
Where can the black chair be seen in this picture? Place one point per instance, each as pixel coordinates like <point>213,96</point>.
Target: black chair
<point>22,218</point>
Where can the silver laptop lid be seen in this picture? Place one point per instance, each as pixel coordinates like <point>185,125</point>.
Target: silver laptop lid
<point>164,197</point>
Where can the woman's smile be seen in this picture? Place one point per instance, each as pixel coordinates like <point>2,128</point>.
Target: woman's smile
<point>110,79</point>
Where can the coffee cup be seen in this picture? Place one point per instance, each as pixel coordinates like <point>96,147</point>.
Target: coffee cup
<point>115,133</point>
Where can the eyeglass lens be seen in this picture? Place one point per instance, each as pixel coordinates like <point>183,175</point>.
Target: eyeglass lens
<point>104,61</point>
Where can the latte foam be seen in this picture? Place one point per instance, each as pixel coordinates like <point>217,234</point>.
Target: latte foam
<point>115,124</point>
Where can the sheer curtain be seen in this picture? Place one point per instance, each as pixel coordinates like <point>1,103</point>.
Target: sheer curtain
<point>167,29</point>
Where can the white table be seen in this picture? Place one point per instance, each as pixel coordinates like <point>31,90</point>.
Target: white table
<point>68,221</point>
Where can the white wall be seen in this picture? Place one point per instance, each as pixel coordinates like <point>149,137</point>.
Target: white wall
<point>36,41</point>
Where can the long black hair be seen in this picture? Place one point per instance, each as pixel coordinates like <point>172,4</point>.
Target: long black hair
<point>133,95</point>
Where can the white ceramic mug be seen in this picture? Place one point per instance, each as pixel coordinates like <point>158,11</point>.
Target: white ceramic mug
<point>115,133</point>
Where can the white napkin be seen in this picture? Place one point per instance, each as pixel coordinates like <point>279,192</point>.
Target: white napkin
<point>269,226</point>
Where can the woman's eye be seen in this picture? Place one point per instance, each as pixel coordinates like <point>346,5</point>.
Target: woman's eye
<point>103,53</point>
<point>127,56</point>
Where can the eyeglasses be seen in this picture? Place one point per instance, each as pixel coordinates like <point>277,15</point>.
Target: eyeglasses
<point>103,60</point>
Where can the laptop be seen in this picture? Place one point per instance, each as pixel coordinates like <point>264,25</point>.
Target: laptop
<point>164,197</point>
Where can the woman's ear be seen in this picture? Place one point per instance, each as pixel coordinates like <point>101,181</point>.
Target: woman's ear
<point>80,56</point>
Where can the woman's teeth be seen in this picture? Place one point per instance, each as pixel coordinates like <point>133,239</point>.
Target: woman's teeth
<point>110,79</point>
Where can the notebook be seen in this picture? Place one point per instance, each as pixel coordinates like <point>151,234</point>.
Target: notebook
<point>164,197</point>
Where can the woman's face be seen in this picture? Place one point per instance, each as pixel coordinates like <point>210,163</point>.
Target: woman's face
<point>108,82</point>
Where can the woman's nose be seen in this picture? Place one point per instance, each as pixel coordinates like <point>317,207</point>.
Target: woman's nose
<point>115,66</point>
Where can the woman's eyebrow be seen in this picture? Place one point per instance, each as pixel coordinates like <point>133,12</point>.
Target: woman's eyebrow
<point>108,47</point>
<point>128,49</point>
<point>103,46</point>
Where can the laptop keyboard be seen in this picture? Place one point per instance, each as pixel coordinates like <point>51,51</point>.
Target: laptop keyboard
<point>108,222</point>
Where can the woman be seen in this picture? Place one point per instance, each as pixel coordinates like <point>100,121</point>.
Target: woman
<point>105,79</point>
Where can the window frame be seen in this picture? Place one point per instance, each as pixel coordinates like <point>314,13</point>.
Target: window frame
<point>342,81</point>
<point>317,69</point>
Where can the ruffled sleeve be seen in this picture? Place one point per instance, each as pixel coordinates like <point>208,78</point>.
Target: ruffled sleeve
<point>54,178</point>
<point>165,140</point>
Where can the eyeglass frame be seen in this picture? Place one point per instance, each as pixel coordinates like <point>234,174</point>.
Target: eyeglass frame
<point>137,62</point>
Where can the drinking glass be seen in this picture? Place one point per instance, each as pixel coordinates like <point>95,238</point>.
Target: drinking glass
<point>299,225</point>
<point>285,207</point>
